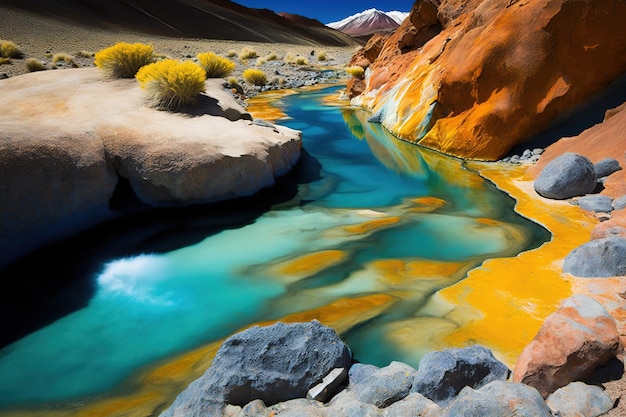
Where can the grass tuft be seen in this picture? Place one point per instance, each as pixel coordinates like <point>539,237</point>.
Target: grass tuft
<point>321,56</point>
<point>356,71</point>
<point>260,61</point>
<point>85,54</point>
<point>62,56</point>
<point>215,66</point>
<point>271,57</point>
<point>171,84</point>
<point>9,49</point>
<point>123,60</point>
<point>292,59</point>
<point>231,53</point>
<point>247,53</point>
<point>255,76</point>
<point>33,65</point>
<point>5,61</point>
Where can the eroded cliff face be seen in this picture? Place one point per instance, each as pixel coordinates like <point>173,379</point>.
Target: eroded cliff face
<point>473,78</point>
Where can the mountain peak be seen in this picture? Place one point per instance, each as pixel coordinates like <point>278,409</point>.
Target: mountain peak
<point>368,22</point>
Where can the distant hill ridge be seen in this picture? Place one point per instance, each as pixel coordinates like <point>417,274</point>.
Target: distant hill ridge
<point>205,19</point>
<point>369,21</point>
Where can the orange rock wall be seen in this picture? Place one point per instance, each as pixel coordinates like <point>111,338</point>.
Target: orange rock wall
<point>489,74</point>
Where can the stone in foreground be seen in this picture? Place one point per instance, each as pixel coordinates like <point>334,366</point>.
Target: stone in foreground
<point>443,374</point>
<point>570,345</point>
<point>606,167</point>
<point>566,176</point>
<point>386,386</point>
<point>596,203</point>
<point>579,399</point>
<point>598,258</point>
<point>274,364</point>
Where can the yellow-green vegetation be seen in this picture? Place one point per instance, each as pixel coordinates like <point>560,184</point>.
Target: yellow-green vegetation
<point>321,56</point>
<point>290,58</point>
<point>9,49</point>
<point>215,65</point>
<point>255,76</point>
<point>271,57</point>
<point>172,84</point>
<point>123,60</point>
<point>356,71</point>
<point>231,53</point>
<point>247,53</point>
<point>85,54</point>
<point>62,56</point>
<point>233,81</point>
<point>33,64</point>
<point>260,61</point>
<point>4,61</point>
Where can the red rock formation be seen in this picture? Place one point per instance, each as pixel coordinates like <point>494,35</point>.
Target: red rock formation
<point>478,77</point>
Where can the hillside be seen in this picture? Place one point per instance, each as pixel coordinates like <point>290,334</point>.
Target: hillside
<point>205,19</point>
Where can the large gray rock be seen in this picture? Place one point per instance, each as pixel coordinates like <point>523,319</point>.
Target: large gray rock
<point>579,399</point>
<point>498,399</point>
<point>566,176</point>
<point>606,167</point>
<point>596,203</point>
<point>360,371</point>
<point>598,258</point>
<point>415,404</point>
<point>66,137</point>
<point>385,386</point>
<point>619,203</point>
<point>443,374</point>
<point>274,363</point>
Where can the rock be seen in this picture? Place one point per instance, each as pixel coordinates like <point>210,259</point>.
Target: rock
<point>571,343</point>
<point>346,405</point>
<point>538,151</point>
<point>415,404</point>
<point>598,258</point>
<point>443,374</point>
<point>579,399</point>
<point>595,203</point>
<point>296,408</point>
<point>385,386</point>
<point>329,385</point>
<point>361,371</point>
<point>481,83</point>
<point>567,176</point>
<point>619,203</point>
<point>273,364</point>
<point>498,399</point>
<point>70,151</point>
<point>606,167</point>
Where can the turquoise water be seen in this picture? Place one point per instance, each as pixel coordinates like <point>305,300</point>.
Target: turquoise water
<point>152,306</point>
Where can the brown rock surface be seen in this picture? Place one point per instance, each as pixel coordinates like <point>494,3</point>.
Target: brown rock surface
<point>66,137</point>
<point>498,71</point>
<point>571,344</point>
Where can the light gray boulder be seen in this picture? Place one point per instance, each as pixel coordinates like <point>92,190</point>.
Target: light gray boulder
<point>598,258</point>
<point>566,176</point>
<point>274,364</point>
<point>348,406</point>
<point>415,404</point>
<point>579,400</point>
<point>443,374</point>
<point>498,399</point>
<point>596,203</point>
<point>606,167</point>
<point>360,371</point>
<point>619,203</point>
<point>386,386</point>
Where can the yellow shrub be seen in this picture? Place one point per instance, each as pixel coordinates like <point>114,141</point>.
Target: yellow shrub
<point>322,56</point>
<point>260,61</point>
<point>272,57</point>
<point>290,58</point>
<point>172,84</point>
<point>247,53</point>
<point>61,56</point>
<point>85,54</point>
<point>231,53</point>
<point>123,60</point>
<point>356,71</point>
<point>33,64</point>
<point>4,61</point>
<point>255,76</point>
<point>9,49</point>
<point>214,65</point>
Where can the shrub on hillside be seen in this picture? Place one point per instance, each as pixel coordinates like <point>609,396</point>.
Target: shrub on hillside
<point>322,56</point>
<point>61,56</point>
<point>4,61</point>
<point>123,60</point>
<point>33,64</point>
<point>247,53</point>
<point>271,57</point>
<point>85,54</point>
<point>215,65</point>
<point>290,58</point>
<point>255,76</point>
<point>356,71</point>
<point>171,84</point>
<point>9,49</point>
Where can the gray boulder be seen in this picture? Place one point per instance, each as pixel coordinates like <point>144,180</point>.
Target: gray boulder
<point>598,258</point>
<point>443,374</point>
<point>596,203</point>
<point>566,176</point>
<point>360,371</point>
<point>579,399</point>
<point>348,406</point>
<point>386,386</point>
<point>619,203</point>
<point>606,167</point>
<point>499,399</point>
<point>273,364</point>
<point>415,404</point>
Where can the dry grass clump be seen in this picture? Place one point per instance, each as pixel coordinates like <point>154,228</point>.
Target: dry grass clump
<point>171,84</point>
<point>247,53</point>
<point>123,60</point>
<point>293,59</point>
<point>231,53</point>
<point>255,76</point>
<point>9,49</point>
<point>356,71</point>
<point>4,61</point>
<point>271,57</point>
<point>214,65</point>
<point>85,54</point>
<point>62,56</point>
<point>260,61</point>
<point>321,56</point>
<point>33,65</point>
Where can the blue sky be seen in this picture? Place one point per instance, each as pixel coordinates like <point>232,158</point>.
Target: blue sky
<point>327,11</point>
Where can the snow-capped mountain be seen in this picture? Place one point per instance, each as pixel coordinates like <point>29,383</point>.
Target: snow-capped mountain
<point>369,22</point>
